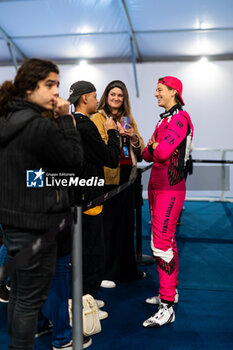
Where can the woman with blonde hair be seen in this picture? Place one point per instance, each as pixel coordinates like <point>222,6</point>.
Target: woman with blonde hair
<point>119,211</point>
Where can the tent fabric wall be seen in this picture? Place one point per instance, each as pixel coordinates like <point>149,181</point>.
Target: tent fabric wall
<point>207,93</point>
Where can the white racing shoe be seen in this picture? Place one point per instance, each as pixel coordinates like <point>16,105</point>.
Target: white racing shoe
<point>164,316</point>
<point>156,299</point>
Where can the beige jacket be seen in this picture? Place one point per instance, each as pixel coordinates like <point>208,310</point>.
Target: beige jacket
<point>112,176</point>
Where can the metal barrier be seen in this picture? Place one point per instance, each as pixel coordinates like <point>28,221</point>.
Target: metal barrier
<point>141,259</point>
<point>77,286</point>
<point>223,161</point>
<point>77,241</point>
<point>43,241</point>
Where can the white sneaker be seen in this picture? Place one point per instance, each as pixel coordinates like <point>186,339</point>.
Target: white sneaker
<point>108,284</point>
<point>156,299</point>
<point>87,341</point>
<point>68,346</point>
<point>164,316</point>
<point>100,303</point>
<point>102,314</point>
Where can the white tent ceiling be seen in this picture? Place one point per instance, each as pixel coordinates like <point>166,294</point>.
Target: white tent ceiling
<point>115,30</point>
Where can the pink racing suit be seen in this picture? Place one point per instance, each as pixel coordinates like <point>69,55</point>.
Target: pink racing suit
<point>166,192</point>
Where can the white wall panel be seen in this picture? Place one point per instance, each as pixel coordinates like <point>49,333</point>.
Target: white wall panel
<point>208,90</point>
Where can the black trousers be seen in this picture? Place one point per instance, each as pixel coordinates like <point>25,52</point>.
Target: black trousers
<point>93,253</point>
<point>118,222</point>
<point>29,286</point>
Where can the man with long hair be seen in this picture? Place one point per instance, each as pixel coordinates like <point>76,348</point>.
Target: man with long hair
<point>29,140</point>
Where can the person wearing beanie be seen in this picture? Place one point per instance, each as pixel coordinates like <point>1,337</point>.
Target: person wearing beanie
<point>168,149</point>
<point>97,154</point>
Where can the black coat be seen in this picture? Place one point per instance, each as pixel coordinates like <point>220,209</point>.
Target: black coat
<point>29,141</point>
<point>96,155</point>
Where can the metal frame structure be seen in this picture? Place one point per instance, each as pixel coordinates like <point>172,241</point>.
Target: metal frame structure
<point>10,44</point>
<point>133,46</point>
<point>135,37</point>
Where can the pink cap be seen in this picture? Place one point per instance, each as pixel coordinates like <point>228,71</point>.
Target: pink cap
<point>174,83</point>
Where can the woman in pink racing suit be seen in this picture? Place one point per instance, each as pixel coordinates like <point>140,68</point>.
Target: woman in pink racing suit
<point>168,149</point>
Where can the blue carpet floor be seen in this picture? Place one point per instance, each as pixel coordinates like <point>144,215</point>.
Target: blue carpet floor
<point>204,315</point>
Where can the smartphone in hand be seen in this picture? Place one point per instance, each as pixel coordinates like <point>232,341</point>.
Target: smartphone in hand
<point>125,122</point>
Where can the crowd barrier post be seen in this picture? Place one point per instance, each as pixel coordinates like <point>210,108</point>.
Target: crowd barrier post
<point>140,258</point>
<point>77,286</point>
<point>223,157</point>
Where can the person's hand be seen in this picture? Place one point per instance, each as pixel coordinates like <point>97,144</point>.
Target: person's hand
<point>130,132</point>
<point>152,140</point>
<point>120,129</point>
<point>61,107</point>
<point>154,145</point>
<point>110,124</point>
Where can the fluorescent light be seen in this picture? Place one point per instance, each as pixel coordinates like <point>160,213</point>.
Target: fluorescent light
<point>83,63</point>
<point>203,60</point>
<point>204,25</point>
